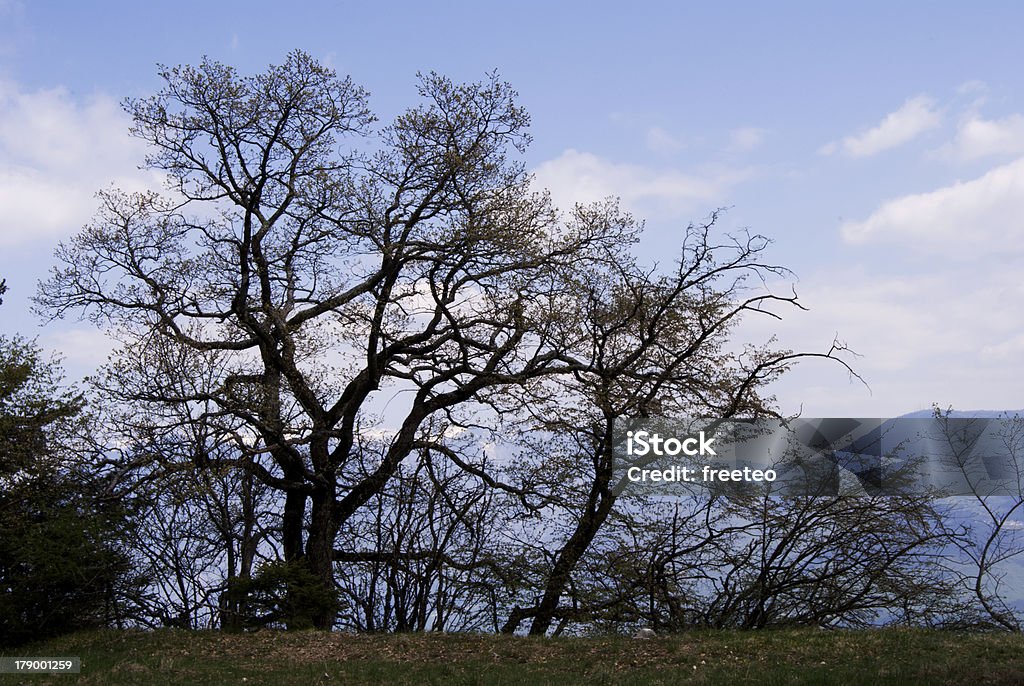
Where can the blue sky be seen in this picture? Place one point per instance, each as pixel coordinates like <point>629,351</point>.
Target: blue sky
<point>881,147</point>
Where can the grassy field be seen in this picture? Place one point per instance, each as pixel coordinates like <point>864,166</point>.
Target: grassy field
<point>768,657</point>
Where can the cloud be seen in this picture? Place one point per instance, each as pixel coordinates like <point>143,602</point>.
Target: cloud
<point>977,138</point>
<point>746,138</point>
<point>916,116</point>
<point>948,335</point>
<point>973,87</point>
<point>1004,349</point>
<point>661,141</point>
<point>581,177</point>
<point>56,151</point>
<point>984,216</point>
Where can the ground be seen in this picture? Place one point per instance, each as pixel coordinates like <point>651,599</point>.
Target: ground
<point>765,657</point>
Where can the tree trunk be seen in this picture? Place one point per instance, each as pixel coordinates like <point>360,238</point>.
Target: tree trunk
<point>320,553</point>
<point>598,506</point>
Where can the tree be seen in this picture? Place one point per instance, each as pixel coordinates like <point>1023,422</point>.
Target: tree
<point>654,347</point>
<point>340,282</point>
<point>62,563</point>
<point>429,262</point>
<point>203,523</point>
<point>987,457</point>
<point>422,554</point>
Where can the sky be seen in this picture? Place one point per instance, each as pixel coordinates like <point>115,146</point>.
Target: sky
<point>880,147</point>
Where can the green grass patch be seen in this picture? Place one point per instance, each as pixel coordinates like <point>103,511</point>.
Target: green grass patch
<point>801,656</point>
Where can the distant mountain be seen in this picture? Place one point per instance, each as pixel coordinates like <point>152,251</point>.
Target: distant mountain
<point>965,414</point>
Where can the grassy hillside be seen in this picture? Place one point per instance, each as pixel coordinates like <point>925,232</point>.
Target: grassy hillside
<point>770,657</point>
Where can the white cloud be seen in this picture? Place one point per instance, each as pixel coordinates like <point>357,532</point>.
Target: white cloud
<point>56,151</point>
<point>977,138</point>
<point>746,138</point>
<point>949,335</point>
<point>661,141</point>
<point>973,87</point>
<point>916,116</point>
<point>984,216</point>
<point>1006,349</point>
<point>581,177</point>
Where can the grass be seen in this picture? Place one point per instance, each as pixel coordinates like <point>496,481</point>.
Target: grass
<point>798,656</point>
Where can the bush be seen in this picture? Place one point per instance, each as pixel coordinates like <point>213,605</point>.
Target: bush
<point>280,595</point>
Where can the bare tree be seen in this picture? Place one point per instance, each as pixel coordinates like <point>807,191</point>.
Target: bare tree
<point>654,345</point>
<point>308,282</point>
<point>319,278</point>
<point>988,457</point>
<point>422,554</point>
<point>203,521</point>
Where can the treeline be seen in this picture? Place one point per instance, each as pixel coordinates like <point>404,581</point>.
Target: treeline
<point>367,378</point>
